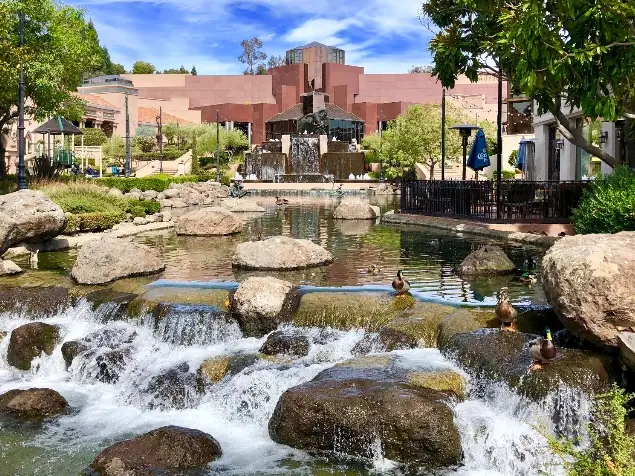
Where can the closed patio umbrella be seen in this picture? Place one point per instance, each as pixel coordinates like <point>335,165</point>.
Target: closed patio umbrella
<point>520,160</point>
<point>479,157</point>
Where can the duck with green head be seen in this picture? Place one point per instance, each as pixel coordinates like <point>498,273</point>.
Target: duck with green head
<point>401,285</point>
<point>505,312</point>
<point>542,351</point>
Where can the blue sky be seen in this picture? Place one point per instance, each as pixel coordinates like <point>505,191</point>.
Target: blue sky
<point>384,36</point>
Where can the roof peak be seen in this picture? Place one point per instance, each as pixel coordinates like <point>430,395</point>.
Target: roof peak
<point>314,44</point>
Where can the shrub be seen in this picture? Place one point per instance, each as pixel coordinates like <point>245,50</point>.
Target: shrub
<point>145,143</point>
<point>99,221</point>
<point>158,183</point>
<point>85,198</point>
<point>137,211</point>
<point>608,206</point>
<point>513,158</point>
<point>610,450</point>
<point>170,154</point>
<point>505,175</point>
<point>8,184</point>
<point>92,137</point>
<point>148,206</point>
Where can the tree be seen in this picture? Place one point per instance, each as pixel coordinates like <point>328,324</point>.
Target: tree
<point>92,137</point>
<point>252,56</point>
<point>262,70</point>
<point>144,143</point>
<point>58,49</point>
<point>421,69</point>
<point>571,53</point>
<point>275,61</point>
<point>141,67</point>
<point>117,69</point>
<point>180,70</point>
<point>372,144</point>
<point>194,72</point>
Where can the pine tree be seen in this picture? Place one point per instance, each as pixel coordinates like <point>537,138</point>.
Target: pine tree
<point>193,72</point>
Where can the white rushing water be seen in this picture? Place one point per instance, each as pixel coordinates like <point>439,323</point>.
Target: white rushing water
<point>499,430</point>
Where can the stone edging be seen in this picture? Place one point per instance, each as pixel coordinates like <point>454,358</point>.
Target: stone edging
<point>459,226</point>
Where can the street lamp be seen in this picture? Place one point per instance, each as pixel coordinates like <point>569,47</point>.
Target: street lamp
<point>465,130</point>
<point>159,119</point>
<point>22,185</point>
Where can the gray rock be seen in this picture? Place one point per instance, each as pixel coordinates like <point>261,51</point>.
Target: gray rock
<point>261,304</point>
<point>487,260</point>
<point>140,221</point>
<point>281,342</point>
<point>167,216</point>
<point>8,268</point>
<point>165,450</point>
<point>115,192</point>
<point>108,259</point>
<point>150,194</point>
<point>28,215</point>
<point>29,341</point>
<point>588,280</point>
<point>179,203</point>
<point>134,195</point>
<point>237,205</point>
<point>34,403</point>
<point>209,222</point>
<point>354,210</point>
<point>280,252</point>
<point>160,197</point>
<point>171,192</point>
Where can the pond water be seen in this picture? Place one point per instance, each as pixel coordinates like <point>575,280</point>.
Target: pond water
<point>498,428</point>
<point>365,253</point>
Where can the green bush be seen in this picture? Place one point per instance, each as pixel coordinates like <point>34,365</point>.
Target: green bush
<point>158,183</point>
<point>513,158</point>
<point>145,143</point>
<point>608,206</point>
<point>505,175</point>
<point>92,137</point>
<point>137,211</point>
<point>149,207</point>
<point>97,221</point>
<point>8,184</point>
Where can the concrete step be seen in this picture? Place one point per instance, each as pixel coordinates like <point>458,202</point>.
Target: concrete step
<point>627,348</point>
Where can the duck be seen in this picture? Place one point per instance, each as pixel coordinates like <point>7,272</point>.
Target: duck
<point>562,234</point>
<point>528,278</point>
<point>281,201</point>
<point>505,312</point>
<point>402,286</point>
<point>374,269</point>
<point>33,259</point>
<point>542,351</point>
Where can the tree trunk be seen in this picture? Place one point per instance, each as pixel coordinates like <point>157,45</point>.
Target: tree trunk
<point>3,162</point>
<point>431,176</point>
<point>574,135</point>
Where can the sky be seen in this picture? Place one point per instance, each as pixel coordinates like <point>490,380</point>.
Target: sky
<point>383,36</point>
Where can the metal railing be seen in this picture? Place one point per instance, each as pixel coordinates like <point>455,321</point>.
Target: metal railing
<point>521,201</point>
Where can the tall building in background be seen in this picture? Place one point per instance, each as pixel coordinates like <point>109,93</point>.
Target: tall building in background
<point>314,55</point>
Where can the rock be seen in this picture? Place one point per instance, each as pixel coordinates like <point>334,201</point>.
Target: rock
<point>108,259</point>
<point>115,192</point>
<point>627,348</point>
<point>281,342</point>
<point>261,304</point>
<point>72,349</point>
<point>354,210</point>
<point>139,221</point>
<point>167,216</point>
<point>386,189</point>
<point>209,222</point>
<point>279,253</point>
<point>29,341</point>
<point>487,260</point>
<point>134,195</point>
<point>172,193</point>
<point>160,197</point>
<point>238,206</point>
<point>191,198</point>
<point>377,210</point>
<point>169,448</point>
<point>459,322</point>
<point>348,408</point>
<point>588,280</point>
<point>28,215</point>
<point>174,388</point>
<point>214,370</point>
<point>179,203</point>
<point>7,268</point>
<point>107,365</point>
<point>36,302</point>
<point>167,203</point>
<point>34,403</point>
<point>3,334</point>
<point>150,194</point>
<point>445,381</point>
<point>501,355</point>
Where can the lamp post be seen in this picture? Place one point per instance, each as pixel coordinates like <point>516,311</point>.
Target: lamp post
<point>128,153</point>
<point>465,130</point>
<point>217,147</point>
<point>442,136</point>
<point>499,144</point>
<point>22,185</point>
<point>160,138</point>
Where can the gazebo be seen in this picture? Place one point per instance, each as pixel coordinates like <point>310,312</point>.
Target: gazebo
<point>58,126</point>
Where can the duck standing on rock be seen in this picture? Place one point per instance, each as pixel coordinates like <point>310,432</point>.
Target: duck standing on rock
<point>402,286</point>
<point>281,201</point>
<point>542,351</point>
<point>505,312</point>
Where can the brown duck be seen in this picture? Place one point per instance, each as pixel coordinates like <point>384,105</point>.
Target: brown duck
<point>542,351</point>
<point>505,312</point>
<point>402,286</point>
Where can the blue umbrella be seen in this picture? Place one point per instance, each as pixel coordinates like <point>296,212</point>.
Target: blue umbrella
<point>520,160</point>
<point>479,158</point>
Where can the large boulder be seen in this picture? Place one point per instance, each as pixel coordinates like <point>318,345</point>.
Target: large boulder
<point>34,403</point>
<point>358,404</point>
<point>501,355</point>
<point>211,221</point>
<point>108,259</point>
<point>281,342</point>
<point>8,268</point>
<point>166,449</point>
<point>29,341</point>
<point>588,280</point>
<point>280,253</point>
<point>241,206</point>
<point>35,302</point>
<point>261,304</point>
<point>487,260</point>
<point>354,210</point>
<point>216,369</point>
<point>28,215</point>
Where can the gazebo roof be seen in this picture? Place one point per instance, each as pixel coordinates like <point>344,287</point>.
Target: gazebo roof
<point>57,126</point>
<point>332,112</point>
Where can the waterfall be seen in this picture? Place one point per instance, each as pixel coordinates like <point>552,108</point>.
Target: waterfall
<point>305,156</point>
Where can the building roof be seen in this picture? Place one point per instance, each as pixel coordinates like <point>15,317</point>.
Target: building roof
<point>56,126</point>
<point>96,101</point>
<point>313,45</point>
<point>332,112</point>
<point>148,115</point>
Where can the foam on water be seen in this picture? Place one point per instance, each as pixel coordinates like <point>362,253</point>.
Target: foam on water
<point>498,430</point>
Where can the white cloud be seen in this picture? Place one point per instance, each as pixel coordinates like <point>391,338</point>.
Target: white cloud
<point>322,30</point>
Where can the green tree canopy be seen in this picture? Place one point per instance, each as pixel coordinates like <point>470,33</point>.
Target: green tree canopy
<point>180,70</point>
<point>104,65</point>
<point>193,72</point>
<point>562,53</point>
<point>275,61</point>
<point>203,136</point>
<point>141,67</point>
<point>59,48</point>
<point>91,137</point>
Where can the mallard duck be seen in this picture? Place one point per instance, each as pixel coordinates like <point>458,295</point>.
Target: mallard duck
<point>528,278</point>
<point>402,286</point>
<point>374,269</point>
<point>281,201</point>
<point>542,351</point>
<point>505,312</point>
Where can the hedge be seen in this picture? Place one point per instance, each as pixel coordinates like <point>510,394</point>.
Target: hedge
<point>98,221</point>
<point>158,183</point>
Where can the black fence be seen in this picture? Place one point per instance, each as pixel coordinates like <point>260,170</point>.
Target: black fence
<point>521,201</point>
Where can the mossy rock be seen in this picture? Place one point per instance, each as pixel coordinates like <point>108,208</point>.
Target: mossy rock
<point>504,355</point>
<point>529,320</point>
<point>346,311</point>
<point>444,381</point>
<point>3,334</point>
<point>213,370</point>
<point>460,321</point>
<point>29,341</point>
<point>36,302</point>
<point>157,298</point>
